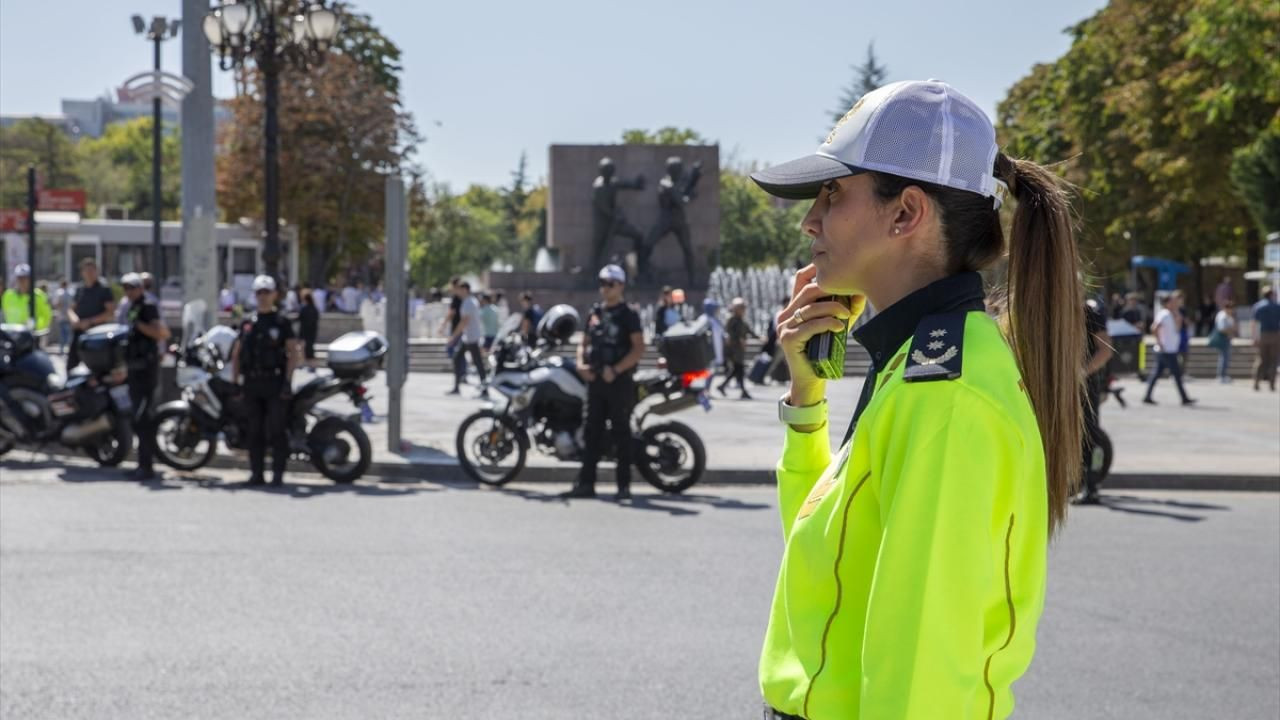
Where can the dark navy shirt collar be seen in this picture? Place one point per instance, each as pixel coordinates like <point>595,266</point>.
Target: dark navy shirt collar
<point>883,334</point>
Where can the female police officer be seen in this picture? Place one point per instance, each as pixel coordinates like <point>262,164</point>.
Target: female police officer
<point>914,569</point>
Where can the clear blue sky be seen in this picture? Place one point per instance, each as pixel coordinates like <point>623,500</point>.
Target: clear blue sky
<point>486,80</point>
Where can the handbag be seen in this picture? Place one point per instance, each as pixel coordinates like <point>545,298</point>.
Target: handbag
<point>1218,340</point>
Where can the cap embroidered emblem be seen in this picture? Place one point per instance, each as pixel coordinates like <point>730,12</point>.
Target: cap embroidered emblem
<point>845,119</point>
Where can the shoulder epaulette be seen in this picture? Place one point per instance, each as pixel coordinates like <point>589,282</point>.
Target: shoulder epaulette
<point>937,349</point>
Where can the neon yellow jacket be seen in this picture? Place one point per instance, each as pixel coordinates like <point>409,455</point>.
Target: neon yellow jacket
<point>914,571</point>
<point>17,308</point>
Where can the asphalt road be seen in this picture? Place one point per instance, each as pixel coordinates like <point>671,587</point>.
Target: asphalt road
<point>209,599</point>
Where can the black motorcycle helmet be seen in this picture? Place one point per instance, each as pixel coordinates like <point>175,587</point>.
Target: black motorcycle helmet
<point>559,324</point>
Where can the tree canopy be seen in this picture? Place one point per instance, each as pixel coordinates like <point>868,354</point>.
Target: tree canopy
<point>1143,113</point>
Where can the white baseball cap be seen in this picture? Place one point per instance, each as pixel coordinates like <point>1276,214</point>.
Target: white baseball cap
<point>613,273</point>
<point>923,130</point>
<point>22,270</point>
<point>264,282</point>
<point>131,280</point>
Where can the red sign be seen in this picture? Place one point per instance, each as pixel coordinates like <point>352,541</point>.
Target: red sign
<point>13,220</point>
<point>52,199</point>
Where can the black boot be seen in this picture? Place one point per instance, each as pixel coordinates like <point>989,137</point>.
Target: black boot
<point>624,492</point>
<point>580,491</point>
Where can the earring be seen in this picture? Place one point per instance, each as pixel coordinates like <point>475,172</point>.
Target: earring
<point>897,231</point>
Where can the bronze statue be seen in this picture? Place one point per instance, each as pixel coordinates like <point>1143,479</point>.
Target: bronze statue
<point>607,219</point>
<point>674,192</point>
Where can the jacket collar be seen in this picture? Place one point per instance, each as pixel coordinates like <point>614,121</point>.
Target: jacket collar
<point>883,334</point>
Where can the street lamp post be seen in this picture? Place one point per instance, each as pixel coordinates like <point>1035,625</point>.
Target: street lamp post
<point>272,33</point>
<point>161,29</point>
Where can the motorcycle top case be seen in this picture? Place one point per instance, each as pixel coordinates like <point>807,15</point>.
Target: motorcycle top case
<point>357,353</point>
<point>102,347</point>
<point>687,347</point>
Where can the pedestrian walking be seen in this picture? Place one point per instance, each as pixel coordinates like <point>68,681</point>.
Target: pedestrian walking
<point>530,315</point>
<point>736,332</point>
<point>1225,292</point>
<point>608,354</point>
<point>488,320</point>
<point>266,354</point>
<point>1224,330</point>
<point>15,303</point>
<point>308,327</point>
<point>1133,312</point>
<point>62,299</point>
<point>1167,327</point>
<point>1099,352</point>
<point>467,337</point>
<point>1266,338</point>
<point>94,304</point>
<point>914,570</point>
<point>146,331</point>
<point>711,311</point>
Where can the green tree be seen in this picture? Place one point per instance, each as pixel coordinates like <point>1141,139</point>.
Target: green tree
<point>33,141</point>
<point>343,129</point>
<point>1255,173</point>
<point>1147,107</point>
<point>360,40</point>
<point>117,169</point>
<point>451,234</point>
<point>866,77</point>
<point>668,135</point>
<point>756,229</point>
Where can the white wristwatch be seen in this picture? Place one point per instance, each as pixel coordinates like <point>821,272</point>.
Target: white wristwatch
<point>808,415</point>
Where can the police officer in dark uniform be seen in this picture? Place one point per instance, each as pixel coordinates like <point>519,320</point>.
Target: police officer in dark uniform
<point>611,349</point>
<point>1100,351</point>
<point>266,354</point>
<point>145,330</point>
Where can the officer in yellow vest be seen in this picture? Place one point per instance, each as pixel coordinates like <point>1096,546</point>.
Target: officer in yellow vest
<point>16,302</point>
<point>914,570</point>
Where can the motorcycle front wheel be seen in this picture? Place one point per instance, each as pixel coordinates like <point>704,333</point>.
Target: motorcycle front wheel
<point>113,448</point>
<point>670,456</point>
<point>180,443</point>
<point>491,447</point>
<point>340,449</point>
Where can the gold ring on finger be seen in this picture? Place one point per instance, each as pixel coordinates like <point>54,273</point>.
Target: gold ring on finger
<point>797,319</point>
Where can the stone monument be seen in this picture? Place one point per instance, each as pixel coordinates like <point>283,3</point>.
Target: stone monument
<point>590,228</point>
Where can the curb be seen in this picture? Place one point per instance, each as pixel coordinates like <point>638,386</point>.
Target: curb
<point>451,473</point>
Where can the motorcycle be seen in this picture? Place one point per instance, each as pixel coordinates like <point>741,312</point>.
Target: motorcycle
<point>187,430</point>
<point>91,411</point>
<point>542,402</point>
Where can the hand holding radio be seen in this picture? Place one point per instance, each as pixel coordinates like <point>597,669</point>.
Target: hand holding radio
<point>812,329</point>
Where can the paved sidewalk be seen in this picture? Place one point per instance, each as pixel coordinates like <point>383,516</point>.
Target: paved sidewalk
<point>1229,440</point>
<point>1231,435</point>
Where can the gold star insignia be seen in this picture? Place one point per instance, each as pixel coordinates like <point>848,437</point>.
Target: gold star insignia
<point>936,345</point>
<point>938,333</point>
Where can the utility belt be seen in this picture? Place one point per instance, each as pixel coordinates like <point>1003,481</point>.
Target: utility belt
<point>264,374</point>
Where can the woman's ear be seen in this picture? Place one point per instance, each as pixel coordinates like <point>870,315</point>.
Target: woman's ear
<point>912,209</point>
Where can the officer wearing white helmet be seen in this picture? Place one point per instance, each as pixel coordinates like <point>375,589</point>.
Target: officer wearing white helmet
<point>266,354</point>
<point>145,330</point>
<point>607,357</point>
<point>16,301</point>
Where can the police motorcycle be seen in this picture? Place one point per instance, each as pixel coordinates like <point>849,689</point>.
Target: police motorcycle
<point>91,411</point>
<point>542,402</point>
<point>187,430</point>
